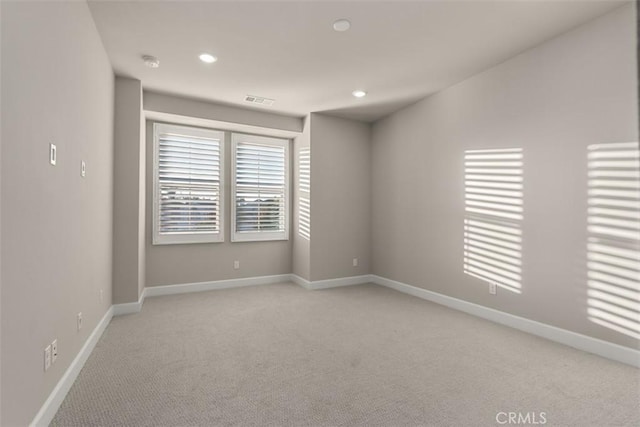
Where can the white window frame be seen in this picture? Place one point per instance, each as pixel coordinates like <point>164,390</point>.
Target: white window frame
<point>260,235</point>
<point>187,238</point>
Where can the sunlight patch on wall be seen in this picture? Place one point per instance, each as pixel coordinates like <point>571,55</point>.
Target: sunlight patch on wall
<point>304,200</point>
<point>493,216</point>
<point>613,248</point>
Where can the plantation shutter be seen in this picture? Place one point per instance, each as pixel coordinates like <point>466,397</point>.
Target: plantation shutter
<point>188,185</point>
<point>260,188</point>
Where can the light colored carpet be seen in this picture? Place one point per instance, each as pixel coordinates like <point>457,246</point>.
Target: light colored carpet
<point>280,355</point>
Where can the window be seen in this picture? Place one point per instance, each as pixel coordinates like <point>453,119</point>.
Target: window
<point>493,216</point>
<point>304,199</point>
<point>613,246</point>
<point>187,193</point>
<point>260,188</point>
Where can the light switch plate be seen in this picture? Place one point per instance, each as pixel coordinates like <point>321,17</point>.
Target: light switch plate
<point>54,351</point>
<point>83,169</point>
<point>47,357</point>
<point>53,154</point>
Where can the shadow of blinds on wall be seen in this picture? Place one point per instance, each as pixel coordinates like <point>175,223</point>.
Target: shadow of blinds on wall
<point>613,247</point>
<point>493,216</point>
<point>304,200</point>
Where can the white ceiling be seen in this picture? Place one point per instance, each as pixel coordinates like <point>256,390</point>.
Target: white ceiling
<point>397,51</point>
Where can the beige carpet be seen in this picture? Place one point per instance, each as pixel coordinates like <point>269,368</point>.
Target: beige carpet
<point>363,355</point>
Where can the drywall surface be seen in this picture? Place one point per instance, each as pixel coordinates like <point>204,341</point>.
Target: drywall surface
<point>142,203</point>
<point>341,189</point>
<point>0,226</point>
<point>57,87</point>
<point>162,103</point>
<point>301,250</point>
<point>552,101</point>
<point>204,262</point>
<point>128,198</point>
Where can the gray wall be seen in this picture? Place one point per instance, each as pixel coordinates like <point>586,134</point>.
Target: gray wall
<point>142,202</point>
<point>187,107</point>
<point>552,101</point>
<point>301,250</point>
<point>57,87</point>
<point>203,262</point>
<point>128,189</point>
<point>341,197</point>
<point>1,135</point>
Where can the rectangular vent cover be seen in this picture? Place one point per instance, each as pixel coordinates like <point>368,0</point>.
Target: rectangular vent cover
<point>259,100</point>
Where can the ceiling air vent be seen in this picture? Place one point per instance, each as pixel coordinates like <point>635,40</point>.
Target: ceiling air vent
<point>259,100</point>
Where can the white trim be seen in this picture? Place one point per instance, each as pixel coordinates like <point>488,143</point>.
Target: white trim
<point>300,281</point>
<point>52,404</point>
<point>331,283</point>
<point>154,291</point>
<point>335,283</point>
<point>582,342</point>
<point>130,307</point>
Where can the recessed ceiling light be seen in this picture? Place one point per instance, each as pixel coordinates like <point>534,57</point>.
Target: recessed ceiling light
<point>209,59</point>
<point>359,93</point>
<point>341,25</point>
<point>151,61</point>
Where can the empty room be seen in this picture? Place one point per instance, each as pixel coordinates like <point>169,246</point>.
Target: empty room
<point>319,213</point>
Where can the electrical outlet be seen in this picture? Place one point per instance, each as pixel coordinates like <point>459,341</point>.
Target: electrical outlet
<point>54,351</point>
<point>53,154</point>
<point>493,288</point>
<point>355,262</point>
<point>79,321</point>
<point>47,357</point>
<point>236,265</point>
<point>83,169</point>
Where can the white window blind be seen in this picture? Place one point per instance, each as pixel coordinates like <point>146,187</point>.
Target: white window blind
<point>493,216</point>
<point>260,188</point>
<point>304,199</point>
<point>187,185</point>
<point>613,247</point>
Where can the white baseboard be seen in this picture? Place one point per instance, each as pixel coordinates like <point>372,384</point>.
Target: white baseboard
<point>334,283</point>
<point>55,399</point>
<point>562,336</point>
<point>130,307</point>
<point>218,284</point>
<point>237,283</point>
<point>300,281</point>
